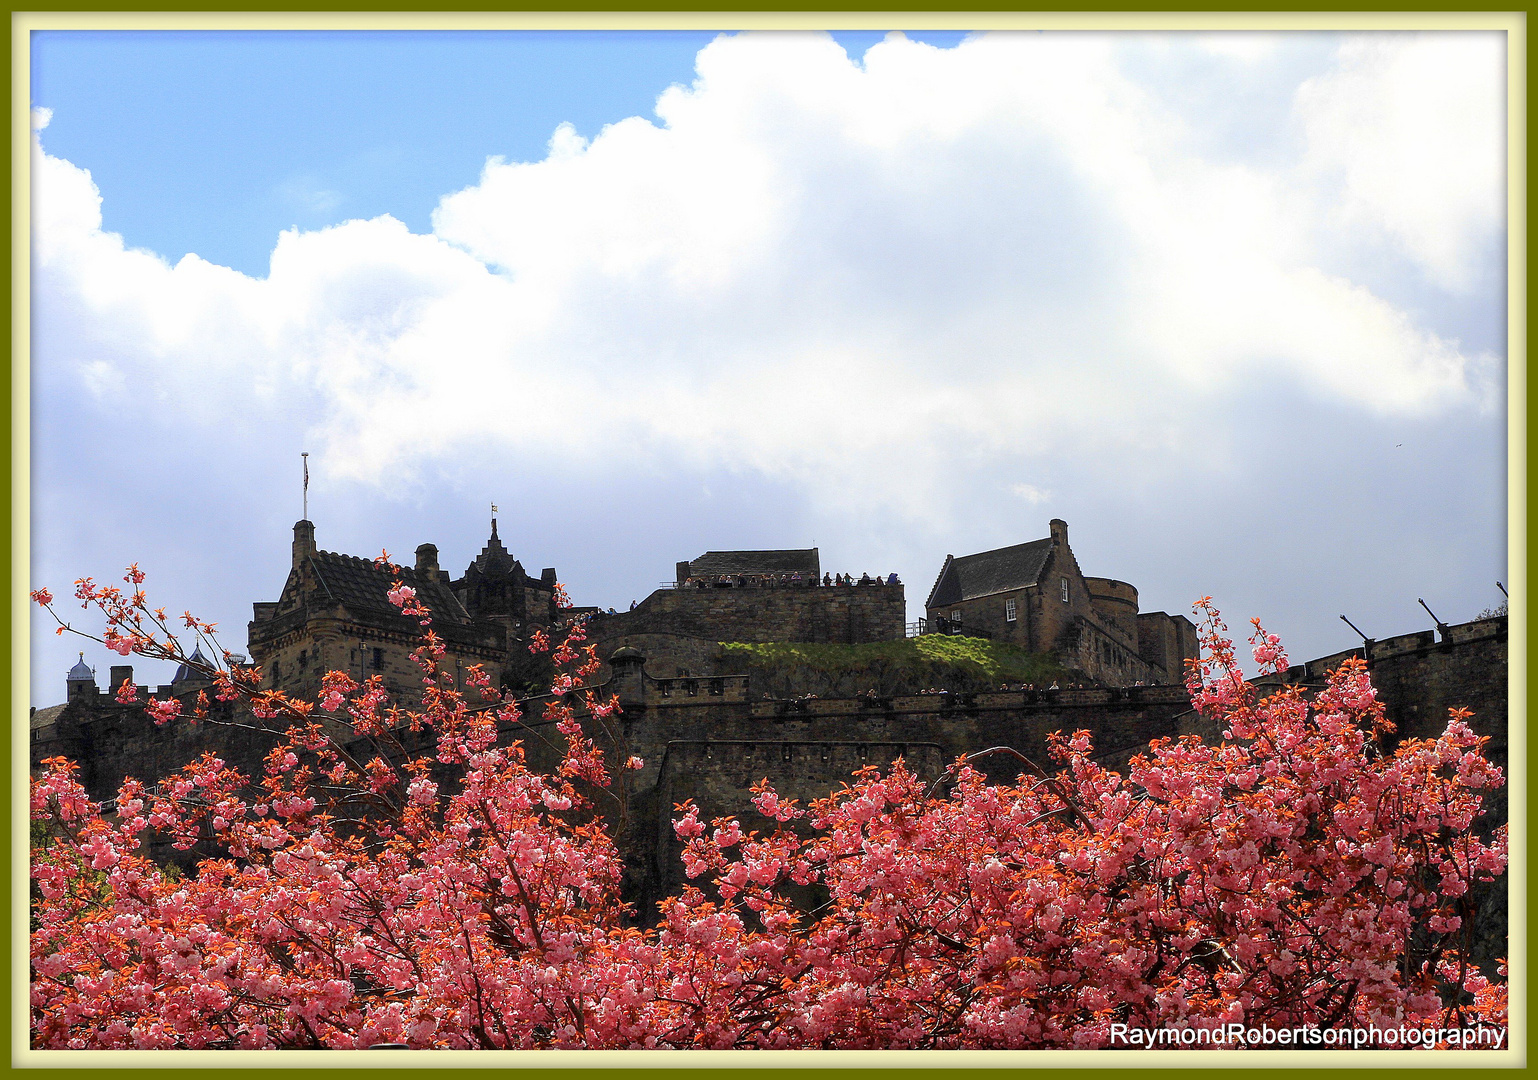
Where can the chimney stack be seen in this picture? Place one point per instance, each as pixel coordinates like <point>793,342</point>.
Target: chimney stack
<point>120,674</point>
<point>427,562</point>
<point>304,541</point>
<point>1059,529</point>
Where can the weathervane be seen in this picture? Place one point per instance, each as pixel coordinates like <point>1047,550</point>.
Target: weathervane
<point>306,515</point>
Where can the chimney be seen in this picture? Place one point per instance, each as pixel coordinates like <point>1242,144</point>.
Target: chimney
<point>304,541</point>
<point>427,562</point>
<point>681,573</point>
<point>121,673</point>
<point>1059,529</point>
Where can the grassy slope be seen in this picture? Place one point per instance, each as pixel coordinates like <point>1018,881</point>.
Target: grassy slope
<point>888,667</point>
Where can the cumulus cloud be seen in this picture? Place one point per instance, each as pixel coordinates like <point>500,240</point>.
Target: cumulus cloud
<point>1412,129</point>
<point>863,279</point>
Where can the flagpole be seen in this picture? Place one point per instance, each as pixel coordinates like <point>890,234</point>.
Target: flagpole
<point>306,456</point>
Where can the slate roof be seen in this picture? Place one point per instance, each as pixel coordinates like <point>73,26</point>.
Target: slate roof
<point>780,561</point>
<point>44,717</point>
<point>186,672</point>
<point>990,572</point>
<point>364,588</point>
<point>494,559</point>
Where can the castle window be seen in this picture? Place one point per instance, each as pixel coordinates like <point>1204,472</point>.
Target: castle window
<point>378,664</point>
<point>274,671</point>
<point>1065,590</point>
<point>956,617</point>
<point>304,659</point>
<point>1009,610</point>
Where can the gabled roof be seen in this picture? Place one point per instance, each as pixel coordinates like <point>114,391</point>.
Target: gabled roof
<point>990,572</point>
<point>363,589</point>
<point>778,561</point>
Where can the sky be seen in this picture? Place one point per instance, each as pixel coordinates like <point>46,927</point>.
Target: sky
<point>1233,305</point>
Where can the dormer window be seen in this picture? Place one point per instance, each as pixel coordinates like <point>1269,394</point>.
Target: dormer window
<point>1065,590</point>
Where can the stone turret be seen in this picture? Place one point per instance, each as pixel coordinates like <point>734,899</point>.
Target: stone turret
<point>496,590</point>
<point>80,680</point>
<point>627,679</point>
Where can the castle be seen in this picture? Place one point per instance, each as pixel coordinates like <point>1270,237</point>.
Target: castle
<point>699,727</point>
<point>1034,595</point>
<point>334,613</point>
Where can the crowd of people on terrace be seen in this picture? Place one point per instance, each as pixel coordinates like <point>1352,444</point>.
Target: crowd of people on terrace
<point>744,581</point>
<point>1025,686</point>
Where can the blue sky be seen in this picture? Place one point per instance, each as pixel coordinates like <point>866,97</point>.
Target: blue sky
<point>1233,305</point>
<point>214,141</point>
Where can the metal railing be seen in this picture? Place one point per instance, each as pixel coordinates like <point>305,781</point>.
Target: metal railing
<point>947,627</point>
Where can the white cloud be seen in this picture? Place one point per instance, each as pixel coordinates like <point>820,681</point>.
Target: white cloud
<point>1244,46</point>
<point>1404,124</point>
<point>307,195</point>
<point>865,281</point>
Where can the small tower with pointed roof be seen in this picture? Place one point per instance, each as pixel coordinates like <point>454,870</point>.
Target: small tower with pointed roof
<point>189,676</point>
<point>80,680</point>
<point>495,590</point>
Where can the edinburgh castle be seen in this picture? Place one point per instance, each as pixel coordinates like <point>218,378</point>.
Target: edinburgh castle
<point>704,727</point>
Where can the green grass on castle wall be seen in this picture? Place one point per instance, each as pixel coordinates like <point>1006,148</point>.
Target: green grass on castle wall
<point>890,667</point>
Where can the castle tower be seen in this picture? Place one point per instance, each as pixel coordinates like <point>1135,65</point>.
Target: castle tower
<point>496,590</point>
<point>334,614</point>
<point>80,680</point>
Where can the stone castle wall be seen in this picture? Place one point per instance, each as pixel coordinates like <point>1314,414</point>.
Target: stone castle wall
<point>705,738</point>
<point>680,627</point>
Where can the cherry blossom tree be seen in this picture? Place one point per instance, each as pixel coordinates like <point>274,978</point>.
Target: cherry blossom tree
<point>1291,874</point>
